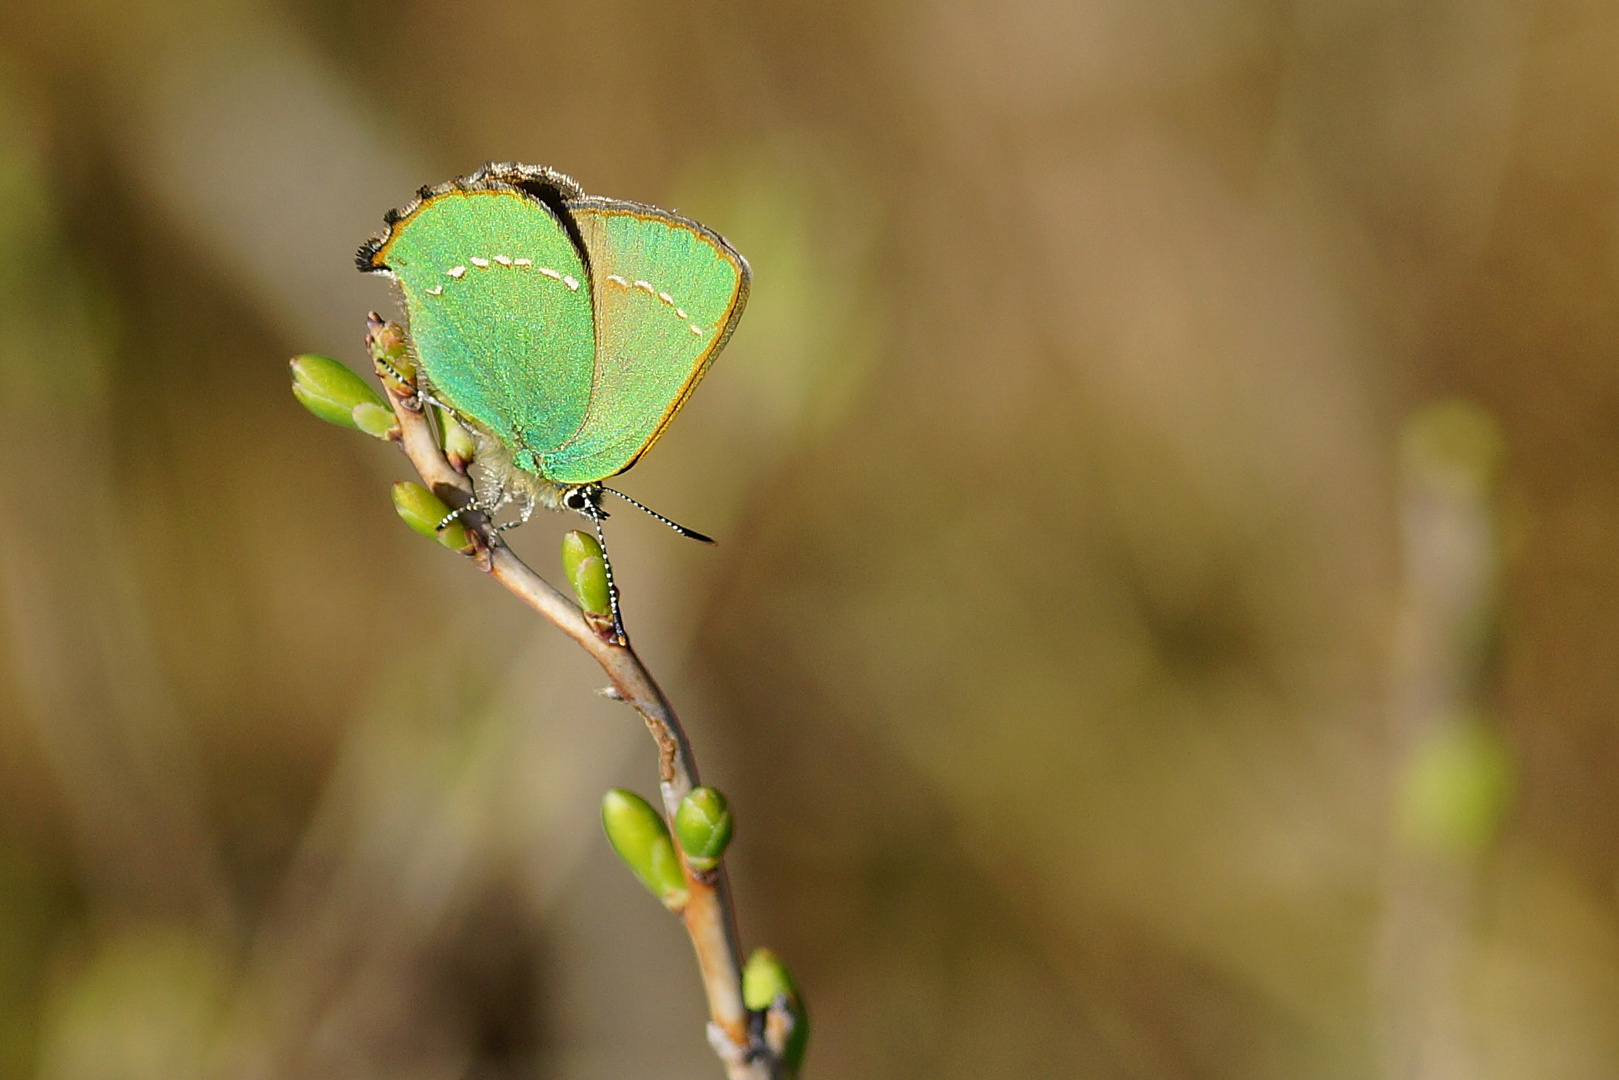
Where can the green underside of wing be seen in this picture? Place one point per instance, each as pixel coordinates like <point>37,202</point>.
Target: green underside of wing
<point>506,342</point>
<point>667,294</point>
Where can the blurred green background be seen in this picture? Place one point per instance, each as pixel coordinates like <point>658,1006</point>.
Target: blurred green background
<point>1164,619</point>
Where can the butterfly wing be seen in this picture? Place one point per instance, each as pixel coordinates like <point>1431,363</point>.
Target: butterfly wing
<point>667,294</point>
<point>499,305</point>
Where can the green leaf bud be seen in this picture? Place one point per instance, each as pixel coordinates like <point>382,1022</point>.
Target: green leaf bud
<point>330,390</point>
<point>459,446</point>
<point>765,978</point>
<point>638,834</point>
<point>587,571</point>
<point>703,825</point>
<point>422,511</point>
<point>377,421</point>
<point>768,986</point>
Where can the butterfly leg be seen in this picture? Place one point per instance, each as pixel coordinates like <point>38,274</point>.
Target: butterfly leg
<point>525,502</point>
<point>487,506</point>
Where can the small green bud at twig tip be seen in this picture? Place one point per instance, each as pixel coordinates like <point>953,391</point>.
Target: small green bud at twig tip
<point>587,571</point>
<point>423,511</point>
<point>767,986</point>
<point>638,834</point>
<point>332,392</point>
<point>703,825</point>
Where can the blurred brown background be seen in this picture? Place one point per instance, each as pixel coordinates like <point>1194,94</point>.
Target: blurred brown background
<point>1118,666</point>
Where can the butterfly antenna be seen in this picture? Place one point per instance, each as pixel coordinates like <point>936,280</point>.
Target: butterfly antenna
<point>596,516</point>
<point>692,534</point>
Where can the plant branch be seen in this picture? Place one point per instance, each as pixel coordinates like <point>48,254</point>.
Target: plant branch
<point>708,914</point>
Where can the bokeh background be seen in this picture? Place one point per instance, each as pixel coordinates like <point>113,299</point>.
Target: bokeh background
<point>1164,621</point>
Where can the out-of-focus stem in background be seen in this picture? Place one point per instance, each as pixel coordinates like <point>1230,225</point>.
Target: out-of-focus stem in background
<point>1451,772</point>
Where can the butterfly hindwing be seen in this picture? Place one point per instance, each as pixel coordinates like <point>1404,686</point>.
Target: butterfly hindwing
<point>667,293</point>
<point>499,303</point>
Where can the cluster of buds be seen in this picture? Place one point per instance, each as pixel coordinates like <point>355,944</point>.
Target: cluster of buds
<point>668,862</point>
<point>337,395</point>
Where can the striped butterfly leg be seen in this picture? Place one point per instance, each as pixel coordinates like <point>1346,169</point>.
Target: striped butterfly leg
<point>488,507</point>
<point>489,494</point>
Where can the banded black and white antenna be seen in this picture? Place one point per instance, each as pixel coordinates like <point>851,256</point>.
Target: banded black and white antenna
<point>691,534</point>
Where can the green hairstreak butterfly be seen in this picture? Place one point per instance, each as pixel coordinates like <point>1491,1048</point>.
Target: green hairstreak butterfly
<point>564,329</point>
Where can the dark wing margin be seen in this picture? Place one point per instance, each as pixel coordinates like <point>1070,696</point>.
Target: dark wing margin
<point>549,186</point>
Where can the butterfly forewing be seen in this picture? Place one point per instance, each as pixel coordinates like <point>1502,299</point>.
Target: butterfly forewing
<point>500,312</point>
<point>667,294</point>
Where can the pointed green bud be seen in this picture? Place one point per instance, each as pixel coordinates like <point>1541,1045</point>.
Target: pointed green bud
<point>330,390</point>
<point>768,986</point>
<point>422,511</point>
<point>765,978</point>
<point>587,571</point>
<point>386,343</point>
<point>703,826</point>
<point>377,421</point>
<point>459,447</point>
<point>638,834</point>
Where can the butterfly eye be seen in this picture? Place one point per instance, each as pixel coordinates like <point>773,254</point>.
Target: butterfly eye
<point>575,498</point>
